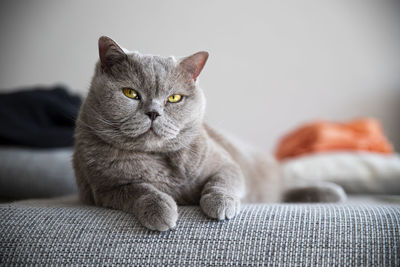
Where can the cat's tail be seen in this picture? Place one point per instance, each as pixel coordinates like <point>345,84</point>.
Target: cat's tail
<point>321,192</point>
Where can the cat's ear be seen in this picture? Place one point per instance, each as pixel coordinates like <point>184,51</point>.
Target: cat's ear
<point>194,64</point>
<point>109,52</point>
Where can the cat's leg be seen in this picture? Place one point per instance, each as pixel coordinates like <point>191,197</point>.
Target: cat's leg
<point>154,209</point>
<point>84,190</point>
<point>319,192</point>
<point>222,193</point>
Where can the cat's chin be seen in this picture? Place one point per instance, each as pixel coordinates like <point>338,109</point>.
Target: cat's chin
<point>149,133</point>
<point>148,141</point>
<point>153,142</point>
<point>153,134</point>
<point>154,139</point>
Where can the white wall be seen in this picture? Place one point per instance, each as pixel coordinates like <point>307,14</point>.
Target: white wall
<point>273,64</point>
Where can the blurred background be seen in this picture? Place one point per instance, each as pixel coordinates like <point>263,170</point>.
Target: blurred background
<point>272,65</point>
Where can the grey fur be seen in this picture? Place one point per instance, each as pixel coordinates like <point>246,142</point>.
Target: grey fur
<point>120,163</point>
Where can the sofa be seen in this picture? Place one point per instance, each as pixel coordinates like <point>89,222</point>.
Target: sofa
<point>40,226</point>
<point>365,231</point>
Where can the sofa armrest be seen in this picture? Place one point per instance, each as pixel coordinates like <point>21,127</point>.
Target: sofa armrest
<point>66,232</point>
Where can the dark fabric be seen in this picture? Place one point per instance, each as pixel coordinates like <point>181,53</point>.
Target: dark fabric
<point>39,117</point>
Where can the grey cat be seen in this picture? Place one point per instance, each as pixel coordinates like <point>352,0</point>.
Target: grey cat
<point>141,145</point>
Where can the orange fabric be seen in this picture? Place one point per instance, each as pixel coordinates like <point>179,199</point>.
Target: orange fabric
<point>361,134</point>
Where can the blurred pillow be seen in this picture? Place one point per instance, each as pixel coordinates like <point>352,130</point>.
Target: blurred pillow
<point>357,172</point>
<point>364,134</point>
<point>28,173</point>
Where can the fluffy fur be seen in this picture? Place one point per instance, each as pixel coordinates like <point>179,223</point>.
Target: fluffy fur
<point>125,160</point>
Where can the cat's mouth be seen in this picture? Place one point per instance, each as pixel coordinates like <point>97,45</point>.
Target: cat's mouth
<point>157,132</point>
<point>151,131</point>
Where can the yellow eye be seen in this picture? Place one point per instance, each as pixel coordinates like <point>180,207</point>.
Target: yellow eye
<point>129,92</point>
<point>174,98</point>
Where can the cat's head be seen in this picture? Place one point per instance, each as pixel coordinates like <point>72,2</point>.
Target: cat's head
<point>144,102</point>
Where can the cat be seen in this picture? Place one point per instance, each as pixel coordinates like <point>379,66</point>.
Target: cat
<point>142,146</point>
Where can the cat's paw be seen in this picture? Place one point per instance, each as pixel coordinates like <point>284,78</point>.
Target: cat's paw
<point>320,192</point>
<point>220,206</point>
<point>157,211</point>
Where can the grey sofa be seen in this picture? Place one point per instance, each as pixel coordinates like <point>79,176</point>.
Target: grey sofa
<point>64,232</point>
<point>61,231</point>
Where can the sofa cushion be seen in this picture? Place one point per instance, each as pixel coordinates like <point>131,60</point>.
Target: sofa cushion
<point>356,172</point>
<point>33,173</point>
<point>66,232</point>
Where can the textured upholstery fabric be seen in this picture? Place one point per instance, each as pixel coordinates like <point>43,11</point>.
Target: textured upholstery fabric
<point>351,234</point>
<point>33,173</point>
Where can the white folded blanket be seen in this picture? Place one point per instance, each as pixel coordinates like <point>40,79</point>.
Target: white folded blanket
<point>357,172</point>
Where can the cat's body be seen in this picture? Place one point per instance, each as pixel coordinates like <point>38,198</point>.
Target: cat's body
<point>148,150</point>
<point>181,174</point>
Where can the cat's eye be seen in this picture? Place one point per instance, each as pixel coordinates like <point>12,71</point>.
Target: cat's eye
<point>174,98</point>
<point>129,92</point>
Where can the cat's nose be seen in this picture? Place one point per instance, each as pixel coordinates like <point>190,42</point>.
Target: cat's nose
<point>152,115</point>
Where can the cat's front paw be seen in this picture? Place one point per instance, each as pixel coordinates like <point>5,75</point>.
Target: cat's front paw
<point>220,206</point>
<point>157,211</point>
